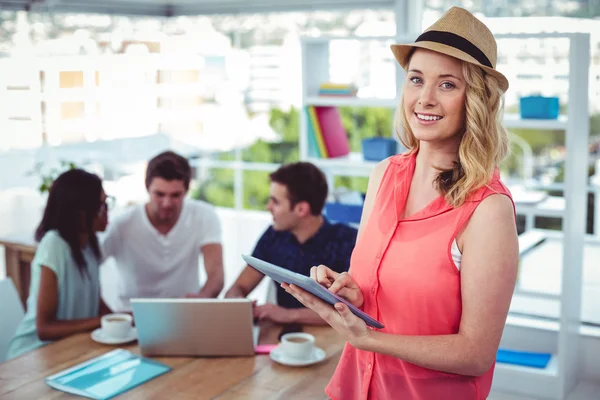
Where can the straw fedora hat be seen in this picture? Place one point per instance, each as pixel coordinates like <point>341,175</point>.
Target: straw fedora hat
<point>458,34</point>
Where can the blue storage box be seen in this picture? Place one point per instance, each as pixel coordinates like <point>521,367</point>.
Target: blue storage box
<point>345,213</point>
<point>539,107</point>
<point>378,148</point>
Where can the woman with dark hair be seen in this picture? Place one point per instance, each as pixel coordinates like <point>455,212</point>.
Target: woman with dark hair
<point>64,296</point>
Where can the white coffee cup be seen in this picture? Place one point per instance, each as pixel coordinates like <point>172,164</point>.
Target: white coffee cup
<point>298,345</point>
<point>117,325</point>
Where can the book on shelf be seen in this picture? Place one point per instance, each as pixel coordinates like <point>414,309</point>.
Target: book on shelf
<point>314,129</point>
<point>108,375</point>
<point>327,137</point>
<point>337,89</point>
<point>332,129</point>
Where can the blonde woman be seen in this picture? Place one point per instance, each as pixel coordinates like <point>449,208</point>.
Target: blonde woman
<point>437,251</point>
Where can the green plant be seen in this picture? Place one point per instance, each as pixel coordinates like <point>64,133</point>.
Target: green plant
<point>48,177</point>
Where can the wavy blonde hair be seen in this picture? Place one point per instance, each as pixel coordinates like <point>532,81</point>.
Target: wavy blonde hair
<point>484,142</point>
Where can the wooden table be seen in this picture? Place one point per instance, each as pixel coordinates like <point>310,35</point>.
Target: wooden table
<point>255,377</point>
<point>18,254</point>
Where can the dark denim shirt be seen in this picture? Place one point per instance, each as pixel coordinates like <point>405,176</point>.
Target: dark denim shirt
<point>332,246</point>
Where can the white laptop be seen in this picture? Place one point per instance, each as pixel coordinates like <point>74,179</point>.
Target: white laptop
<point>195,327</point>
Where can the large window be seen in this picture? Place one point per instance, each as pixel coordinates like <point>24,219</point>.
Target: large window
<point>269,80</point>
<point>110,92</point>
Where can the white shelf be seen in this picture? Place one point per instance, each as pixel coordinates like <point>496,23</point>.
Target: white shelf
<point>530,239</point>
<point>552,207</point>
<point>511,121</point>
<point>352,164</point>
<point>538,382</point>
<point>551,369</point>
<point>350,102</point>
<point>514,121</point>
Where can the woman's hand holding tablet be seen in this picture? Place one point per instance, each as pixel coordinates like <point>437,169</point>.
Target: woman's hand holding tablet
<point>341,284</point>
<point>282,275</point>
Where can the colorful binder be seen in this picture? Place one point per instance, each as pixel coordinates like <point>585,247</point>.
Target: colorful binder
<point>313,147</point>
<point>323,151</point>
<point>332,130</point>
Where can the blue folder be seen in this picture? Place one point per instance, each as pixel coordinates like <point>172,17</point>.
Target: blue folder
<point>108,375</point>
<point>524,358</point>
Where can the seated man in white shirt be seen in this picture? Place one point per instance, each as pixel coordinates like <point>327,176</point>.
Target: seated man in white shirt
<point>156,246</point>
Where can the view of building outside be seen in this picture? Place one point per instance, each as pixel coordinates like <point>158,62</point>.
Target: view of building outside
<point>229,87</point>
<point>223,84</point>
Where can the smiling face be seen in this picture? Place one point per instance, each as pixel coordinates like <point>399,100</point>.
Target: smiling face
<point>434,97</point>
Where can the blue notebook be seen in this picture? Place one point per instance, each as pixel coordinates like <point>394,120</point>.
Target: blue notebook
<point>108,375</point>
<point>524,358</point>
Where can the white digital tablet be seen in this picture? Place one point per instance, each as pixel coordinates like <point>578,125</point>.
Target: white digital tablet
<point>280,275</point>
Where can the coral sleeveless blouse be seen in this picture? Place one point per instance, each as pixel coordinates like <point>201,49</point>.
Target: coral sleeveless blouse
<point>410,283</point>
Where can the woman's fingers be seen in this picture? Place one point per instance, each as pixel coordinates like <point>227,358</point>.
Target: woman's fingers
<point>341,284</point>
<point>345,312</point>
<point>325,276</point>
<point>344,280</point>
<point>304,297</point>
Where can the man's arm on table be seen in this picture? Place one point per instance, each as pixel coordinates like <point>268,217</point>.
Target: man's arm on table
<point>213,264</point>
<point>245,283</point>
<point>282,315</point>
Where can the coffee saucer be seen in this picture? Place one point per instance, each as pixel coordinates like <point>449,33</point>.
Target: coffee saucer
<point>277,355</point>
<point>100,337</point>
